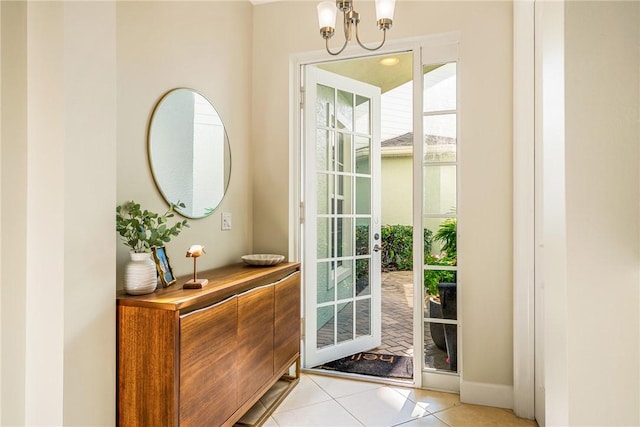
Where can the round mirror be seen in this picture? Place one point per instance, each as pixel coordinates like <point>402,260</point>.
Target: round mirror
<point>189,152</point>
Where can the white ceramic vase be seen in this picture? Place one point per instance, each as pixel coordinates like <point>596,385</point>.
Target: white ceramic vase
<point>140,274</point>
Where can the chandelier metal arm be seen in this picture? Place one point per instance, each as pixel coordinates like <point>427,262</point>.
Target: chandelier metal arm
<point>347,36</point>
<point>384,38</point>
<point>351,19</point>
<point>338,52</point>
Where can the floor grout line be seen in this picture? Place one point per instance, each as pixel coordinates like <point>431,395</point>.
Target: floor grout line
<point>440,419</point>
<point>350,413</point>
<point>449,409</point>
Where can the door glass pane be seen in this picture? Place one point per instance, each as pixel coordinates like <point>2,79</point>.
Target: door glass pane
<point>344,159</point>
<point>345,110</point>
<point>324,187</point>
<point>431,247</point>
<point>441,248</point>
<point>345,279</point>
<point>324,237</point>
<point>323,150</point>
<point>440,347</point>
<point>439,87</point>
<point>440,138</point>
<point>344,238</point>
<point>363,236</point>
<point>325,319</point>
<point>325,106</point>
<point>363,316</point>
<point>344,202</point>
<point>441,243</point>
<point>362,277</point>
<point>325,287</point>
<point>439,189</point>
<point>363,114</point>
<point>345,322</point>
<point>441,301</point>
<point>363,196</point>
<point>363,155</point>
<point>440,257</point>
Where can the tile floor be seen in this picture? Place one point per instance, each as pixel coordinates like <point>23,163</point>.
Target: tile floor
<point>335,402</point>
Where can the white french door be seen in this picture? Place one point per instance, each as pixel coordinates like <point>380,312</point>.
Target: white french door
<point>341,217</point>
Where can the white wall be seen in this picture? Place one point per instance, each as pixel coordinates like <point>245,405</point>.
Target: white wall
<point>58,245</point>
<point>485,138</point>
<point>602,100</point>
<point>73,147</point>
<point>0,208</point>
<point>89,242</point>
<point>14,191</point>
<point>45,206</point>
<point>205,46</point>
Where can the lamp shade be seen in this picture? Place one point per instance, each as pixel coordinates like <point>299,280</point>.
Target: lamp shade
<point>327,12</point>
<point>385,8</point>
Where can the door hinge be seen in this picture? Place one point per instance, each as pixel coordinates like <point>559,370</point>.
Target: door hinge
<point>302,328</point>
<point>302,97</point>
<point>301,213</point>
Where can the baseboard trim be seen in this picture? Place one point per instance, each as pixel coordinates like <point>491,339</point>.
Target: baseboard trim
<point>499,396</point>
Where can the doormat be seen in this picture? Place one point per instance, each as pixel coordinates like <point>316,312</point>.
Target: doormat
<point>373,364</point>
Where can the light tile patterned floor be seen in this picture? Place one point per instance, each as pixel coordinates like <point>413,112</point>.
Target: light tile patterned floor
<point>336,402</point>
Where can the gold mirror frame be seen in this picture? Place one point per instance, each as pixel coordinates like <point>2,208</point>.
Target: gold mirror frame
<point>189,152</point>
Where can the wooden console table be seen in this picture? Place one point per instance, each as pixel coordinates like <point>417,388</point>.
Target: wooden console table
<point>204,357</point>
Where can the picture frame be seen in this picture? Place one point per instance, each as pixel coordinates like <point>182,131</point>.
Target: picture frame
<point>163,267</point>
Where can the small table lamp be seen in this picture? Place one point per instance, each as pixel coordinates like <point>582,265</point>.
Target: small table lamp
<point>194,252</point>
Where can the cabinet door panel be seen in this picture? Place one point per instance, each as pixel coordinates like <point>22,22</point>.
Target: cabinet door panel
<point>147,340</point>
<point>287,320</point>
<point>208,380</point>
<point>255,340</point>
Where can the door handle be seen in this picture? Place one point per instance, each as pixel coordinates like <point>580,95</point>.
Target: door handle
<point>377,248</point>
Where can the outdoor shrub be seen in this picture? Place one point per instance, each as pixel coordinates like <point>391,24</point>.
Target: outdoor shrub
<point>397,251</point>
<point>397,246</point>
<point>362,239</point>
<point>433,277</point>
<point>362,247</point>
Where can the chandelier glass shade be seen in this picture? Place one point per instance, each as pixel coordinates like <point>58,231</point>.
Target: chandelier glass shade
<point>327,14</point>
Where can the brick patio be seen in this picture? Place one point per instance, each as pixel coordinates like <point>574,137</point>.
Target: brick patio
<point>397,321</point>
<point>397,313</point>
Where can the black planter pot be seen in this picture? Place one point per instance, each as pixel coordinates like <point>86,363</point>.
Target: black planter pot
<point>449,306</point>
<point>448,299</point>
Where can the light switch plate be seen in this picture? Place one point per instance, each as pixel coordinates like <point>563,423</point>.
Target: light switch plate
<point>226,220</point>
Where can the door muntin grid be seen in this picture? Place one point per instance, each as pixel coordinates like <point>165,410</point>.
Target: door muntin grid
<point>343,217</point>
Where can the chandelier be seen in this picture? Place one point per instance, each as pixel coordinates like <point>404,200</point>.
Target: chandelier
<point>327,11</point>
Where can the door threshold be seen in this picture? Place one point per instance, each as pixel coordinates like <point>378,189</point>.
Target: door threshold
<point>360,377</point>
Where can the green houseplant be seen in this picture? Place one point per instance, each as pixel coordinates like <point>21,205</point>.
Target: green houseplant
<point>447,235</point>
<point>441,287</point>
<point>141,230</point>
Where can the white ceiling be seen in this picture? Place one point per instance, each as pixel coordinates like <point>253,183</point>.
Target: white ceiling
<point>370,70</point>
